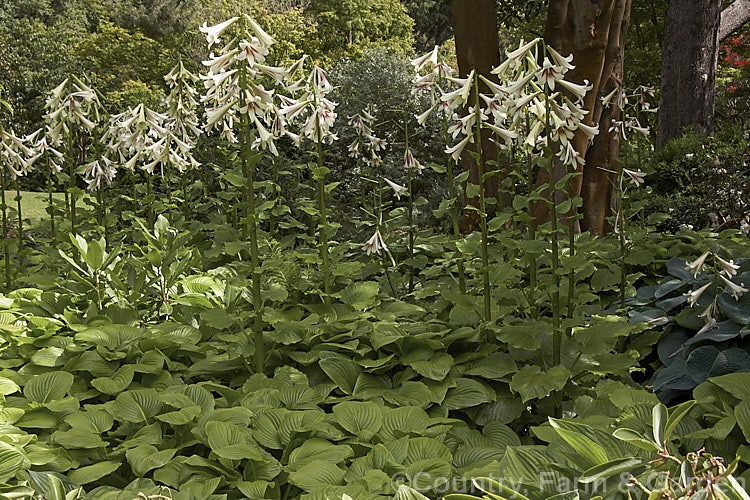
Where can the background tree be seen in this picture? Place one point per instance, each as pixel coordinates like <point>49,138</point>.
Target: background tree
<point>432,22</point>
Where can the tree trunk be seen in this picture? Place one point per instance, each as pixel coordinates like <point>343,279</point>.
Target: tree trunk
<point>689,56</point>
<point>734,16</point>
<point>475,27</point>
<point>594,32</point>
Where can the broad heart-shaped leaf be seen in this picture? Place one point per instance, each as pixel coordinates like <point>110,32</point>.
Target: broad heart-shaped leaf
<point>318,450</point>
<point>110,336</point>
<point>363,419</point>
<point>317,475</point>
<point>138,405</point>
<point>360,294</point>
<point>90,473</point>
<point>398,422</point>
<point>742,414</point>
<point>343,372</point>
<point>587,452</point>
<point>48,386</point>
<point>436,368</point>
<point>468,392</point>
<point>146,457</point>
<point>531,382</point>
<point>12,461</point>
<point>7,386</point>
<point>231,442</point>
<point>736,384</point>
<point>116,383</point>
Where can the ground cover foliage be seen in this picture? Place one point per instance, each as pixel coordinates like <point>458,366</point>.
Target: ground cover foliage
<point>210,320</point>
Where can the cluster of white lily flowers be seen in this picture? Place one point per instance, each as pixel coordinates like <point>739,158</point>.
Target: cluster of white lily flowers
<point>529,99</point>
<point>16,154</point>
<point>72,103</point>
<point>234,88</point>
<point>620,98</point>
<point>728,271</point>
<point>363,122</point>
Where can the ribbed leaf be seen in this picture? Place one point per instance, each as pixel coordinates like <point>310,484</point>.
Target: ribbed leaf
<point>137,406</point>
<point>146,457</point>
<point>317,475</point>
<point>363,419</point>
<point>588,453</point>
<point>110,336</point>
<point>48,386</point>
<point>400,421</point>
<point>231,442</point>
<point>90,473</point>
<point>468,392</point>
<point>116,383</point>
<point>318,450</point>
<point>360,294</point>
<point>12,461</point>
<point>343,372</point>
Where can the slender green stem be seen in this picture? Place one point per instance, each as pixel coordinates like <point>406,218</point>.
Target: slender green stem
<point>531,229</point>
<point>72,183</point>
<point>150,202</point>
<point>454,208</point>
<point>487,292</point>
<point>275,187</point>
<point>4,207</point>
<point>554,243</point>
<point>323,229</point>
<point>250,228</point>
<point>51,206</point>
<point>20,227</point>
<point>572,275</point>
<point>409,205</point>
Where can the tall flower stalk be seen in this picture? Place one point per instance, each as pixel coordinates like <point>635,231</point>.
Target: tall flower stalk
<point>235,96</point>
<point>73,110</point>
<point>433,82</point>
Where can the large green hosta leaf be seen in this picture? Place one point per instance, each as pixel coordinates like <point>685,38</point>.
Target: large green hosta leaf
<point>146,457</point>
<point>90,473</point>
<point>317,475</point>
<point>112,337</point>
<point>12,461</point>
<point>363,419</point>
<point>48,386</point>
<point>343,372</point>
<point>317,450</point>
<point>117,382</point>
<point>231,442</point>
<point>138,405</point>
<point>532,383</point>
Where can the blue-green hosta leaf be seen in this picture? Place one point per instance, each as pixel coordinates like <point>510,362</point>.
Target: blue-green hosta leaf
<point>12,461</point>
<point>138,405</point>
<point>343,372</point>
<point>116,383</point>
<point>363,419</point>
<point>532,383</point>
<point>90,473</point>
<point>231,442</point>
<point>468,392</point>
<point>317,475</point>
<point>317,450</point>
<point>48,386</point>
<point>360,294</point>
<point>110,336</point>
<point>7,386</point>
<point>146,457</point>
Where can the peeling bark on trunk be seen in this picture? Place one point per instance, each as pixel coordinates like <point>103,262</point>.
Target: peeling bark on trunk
<point>689,57</point>
<point>475,27</point>
<point>594,32</point>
